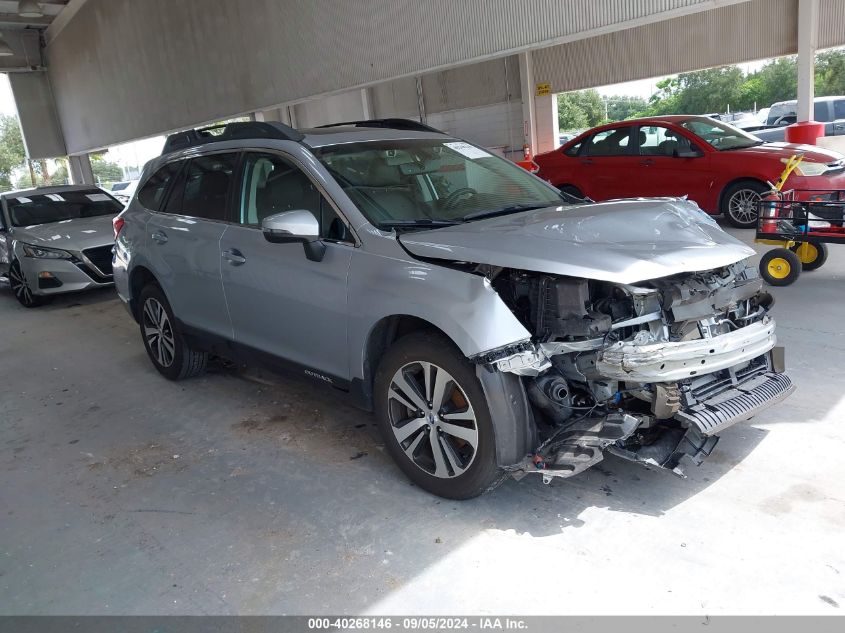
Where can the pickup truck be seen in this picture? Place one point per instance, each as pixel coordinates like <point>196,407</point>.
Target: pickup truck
<point>827,110</point>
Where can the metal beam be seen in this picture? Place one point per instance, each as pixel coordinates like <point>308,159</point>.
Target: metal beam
<point>14,18</point>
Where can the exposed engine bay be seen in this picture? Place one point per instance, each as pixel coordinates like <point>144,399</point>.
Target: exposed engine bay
<point>650,372</point>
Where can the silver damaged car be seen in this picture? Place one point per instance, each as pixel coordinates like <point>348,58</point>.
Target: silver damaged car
<point>495,326</point>
<point>55,240</point>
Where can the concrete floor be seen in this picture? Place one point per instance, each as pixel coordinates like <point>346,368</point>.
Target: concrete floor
<point>123,493</point>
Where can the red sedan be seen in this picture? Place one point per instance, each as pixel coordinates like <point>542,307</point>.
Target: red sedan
<point>722,168</point>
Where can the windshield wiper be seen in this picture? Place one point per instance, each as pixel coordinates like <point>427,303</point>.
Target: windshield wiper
<point>754,144</point>
<point>421,223</point>
<point>516,208</point>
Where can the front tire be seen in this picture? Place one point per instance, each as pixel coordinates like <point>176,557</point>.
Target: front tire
<point>166,346</point>
<point>739,203</point>
<point>21,288</point>
<point>434,418</point>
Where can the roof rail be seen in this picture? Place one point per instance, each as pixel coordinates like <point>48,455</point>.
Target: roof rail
<point>393,124</point>
<point>230,132</point>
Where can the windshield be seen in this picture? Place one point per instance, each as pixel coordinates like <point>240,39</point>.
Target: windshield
<point>36,209</point>
<point>432,182</point>
<point>720,135</point>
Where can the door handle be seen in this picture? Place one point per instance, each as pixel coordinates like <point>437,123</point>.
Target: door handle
<point>159,236</point>
<point>234,257</point>
<point>586,161</point>
<point>647,162</point>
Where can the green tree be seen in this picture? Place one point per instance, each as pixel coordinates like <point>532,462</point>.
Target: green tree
<point>830,73</point>
<point>12,154</point>
<point>579,110</point>
<point>105,172</point>
<point>621,107</point>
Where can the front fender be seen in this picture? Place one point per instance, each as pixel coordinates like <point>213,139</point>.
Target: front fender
<point>463,305</point>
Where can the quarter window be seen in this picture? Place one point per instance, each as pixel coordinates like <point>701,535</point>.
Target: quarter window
<point>152,193</point>
<point>610,142</point>
<point>273,185</point>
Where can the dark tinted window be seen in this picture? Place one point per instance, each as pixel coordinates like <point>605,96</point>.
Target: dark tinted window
<point>207,182</point>
<point>821,111</point>
<point>573,149</point>
<point>152,193</point>
<point>61,206</point>
<point>273,185</point>
<point>839,109</point>
<point>610,142</point>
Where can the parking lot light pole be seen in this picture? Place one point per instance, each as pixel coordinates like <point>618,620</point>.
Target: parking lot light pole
<point>808,35</point>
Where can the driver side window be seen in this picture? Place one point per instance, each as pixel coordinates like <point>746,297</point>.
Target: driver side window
<point>272,184</point>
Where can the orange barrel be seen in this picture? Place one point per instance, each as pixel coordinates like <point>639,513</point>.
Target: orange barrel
<point>804,132</point>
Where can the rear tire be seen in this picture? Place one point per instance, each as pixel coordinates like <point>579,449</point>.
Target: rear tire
<point>434,418</point>
<point>21,288</point>
<point>739,203</point>
<point>166,346</point>
<point>780,267</point>
<point>812,254</point>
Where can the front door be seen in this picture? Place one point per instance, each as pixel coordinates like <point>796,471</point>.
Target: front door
<point>281,303</point>
<point>666,167</point>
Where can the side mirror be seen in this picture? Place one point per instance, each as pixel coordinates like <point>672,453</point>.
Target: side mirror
<point>689,152</point>
<point>295,226</point>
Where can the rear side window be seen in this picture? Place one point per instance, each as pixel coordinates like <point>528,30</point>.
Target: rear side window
<point>573,150</point>
<point>206,186</point>
<point>610,142</point>
<point>152,193</point>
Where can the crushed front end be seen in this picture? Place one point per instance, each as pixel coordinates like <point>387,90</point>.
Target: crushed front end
<point>650,372</point>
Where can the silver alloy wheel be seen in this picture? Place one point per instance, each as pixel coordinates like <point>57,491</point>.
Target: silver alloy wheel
<point>159,333</point>
<point>742,206</point>
<point>432,419</point>
<point>18,284</point>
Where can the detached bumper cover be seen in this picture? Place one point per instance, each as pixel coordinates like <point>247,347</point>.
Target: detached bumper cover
<point>742,403</point>
<point>669,362</point>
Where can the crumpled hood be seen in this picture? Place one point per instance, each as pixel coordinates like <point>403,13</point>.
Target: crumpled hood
<point>74,235</point>
<point>622,241</point>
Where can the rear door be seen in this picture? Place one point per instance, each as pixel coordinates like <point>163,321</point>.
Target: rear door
<point>283,304</point>
<point>608,164</point>
<point>183,239</point>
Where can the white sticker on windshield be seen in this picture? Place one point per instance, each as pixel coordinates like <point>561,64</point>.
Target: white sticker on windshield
<point>24,200</point>
<point>55,197</point>
<point>98,197</point>
<point>470,151</point>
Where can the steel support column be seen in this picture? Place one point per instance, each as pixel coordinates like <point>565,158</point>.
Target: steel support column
<point>808,35</point>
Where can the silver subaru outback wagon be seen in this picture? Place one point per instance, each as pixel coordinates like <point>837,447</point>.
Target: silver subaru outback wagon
<point>495,326</point>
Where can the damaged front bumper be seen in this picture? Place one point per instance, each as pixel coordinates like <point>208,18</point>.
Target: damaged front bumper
<point>672,361</point>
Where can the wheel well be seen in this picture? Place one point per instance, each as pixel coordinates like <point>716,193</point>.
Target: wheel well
<point>736,181</point>
<point>382,336</point>
<point>138,279</point>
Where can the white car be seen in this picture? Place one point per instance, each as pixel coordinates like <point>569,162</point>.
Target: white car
<point>124,190</point>
<point>55,240</point>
